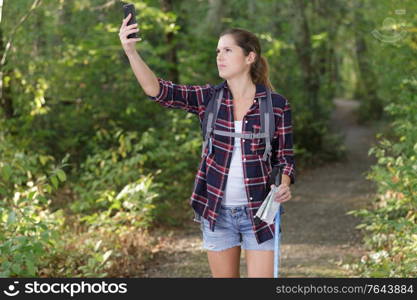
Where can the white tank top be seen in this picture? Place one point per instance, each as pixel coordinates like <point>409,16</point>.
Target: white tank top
<point>235,193</point>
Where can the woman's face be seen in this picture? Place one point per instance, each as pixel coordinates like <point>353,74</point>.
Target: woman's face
<point>231,60</point>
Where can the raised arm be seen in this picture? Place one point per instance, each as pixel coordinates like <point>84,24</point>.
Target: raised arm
<point>146,78</point>
<point>191,98</point>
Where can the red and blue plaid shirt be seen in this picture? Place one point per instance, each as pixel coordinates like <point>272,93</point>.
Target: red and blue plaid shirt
<point>211,177</point>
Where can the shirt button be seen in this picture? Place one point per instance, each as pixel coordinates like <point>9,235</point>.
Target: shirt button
<point>250,198</point>
<point>243,140</point>
<point>244,160</point>
<point>247,179</point>
<point>246,121</point>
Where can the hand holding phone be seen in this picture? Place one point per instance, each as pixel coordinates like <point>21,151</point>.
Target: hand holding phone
<point>128,30</point>
<point>130,9</point>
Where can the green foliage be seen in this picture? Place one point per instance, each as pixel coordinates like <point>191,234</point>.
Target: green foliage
<point>175,151</point>
<point>29,227</point>
<point>107,172</point>
<point>109,181</point>
<point>108,246</point>
<point>95,263</point>
<point>391,223</point>
<point>36,241</point>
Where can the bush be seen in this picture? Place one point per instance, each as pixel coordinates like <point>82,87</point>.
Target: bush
<point>38,242</point>
<point>28,226</point>
<point>110,182</point>
<point>392,223</point>
<point>170,157</point>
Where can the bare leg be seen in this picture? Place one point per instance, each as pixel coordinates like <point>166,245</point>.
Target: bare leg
<point>260,263</point>
<point>225,263</point>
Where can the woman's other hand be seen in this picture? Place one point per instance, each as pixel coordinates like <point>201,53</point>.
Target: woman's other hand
<point>284,193</point>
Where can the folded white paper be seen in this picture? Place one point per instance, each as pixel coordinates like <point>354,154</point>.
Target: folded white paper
<point>269,208</point>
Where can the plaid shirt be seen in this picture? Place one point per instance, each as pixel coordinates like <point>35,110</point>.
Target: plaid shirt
<point>211,177</point>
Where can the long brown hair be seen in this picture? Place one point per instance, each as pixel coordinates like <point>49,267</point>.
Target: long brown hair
<point>248,41</point>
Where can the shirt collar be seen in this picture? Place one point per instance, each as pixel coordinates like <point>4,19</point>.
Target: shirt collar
<point>260,89</point>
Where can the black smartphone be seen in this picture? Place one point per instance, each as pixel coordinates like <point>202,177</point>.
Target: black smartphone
<point>130,8</point>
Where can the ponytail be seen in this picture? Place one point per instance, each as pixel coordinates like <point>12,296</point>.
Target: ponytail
<point>259,72</point>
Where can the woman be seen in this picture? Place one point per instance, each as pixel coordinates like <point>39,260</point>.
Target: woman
<point>225,199</point>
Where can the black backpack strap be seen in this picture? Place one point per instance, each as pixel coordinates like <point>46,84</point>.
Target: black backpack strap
<point>277,171</point>
<point>210,116</point>
<point>276,175</point>
<point>267,124</point>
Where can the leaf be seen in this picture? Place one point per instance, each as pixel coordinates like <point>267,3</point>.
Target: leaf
<point>12,218</point>
<point>54,181</point>
<point>31,194</point>
<point>107,255</point>
<point>48,188</point>
<point>97,245</point>
<point>6,172</point>
<point>43,159</point>
<point>65,159</point>
<point>61,175</point>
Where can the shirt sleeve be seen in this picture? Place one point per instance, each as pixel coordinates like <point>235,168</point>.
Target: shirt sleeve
<point>282,145</point>
<point>191,98</point>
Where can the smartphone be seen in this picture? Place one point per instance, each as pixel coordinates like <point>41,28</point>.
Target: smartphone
<point>130,8</point>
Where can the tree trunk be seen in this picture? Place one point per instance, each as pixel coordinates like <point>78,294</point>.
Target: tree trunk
<point>171,56</point>
<point>367,83</point>
<point>304,52</point>
<point>5,91</point>
<point>217,9</point>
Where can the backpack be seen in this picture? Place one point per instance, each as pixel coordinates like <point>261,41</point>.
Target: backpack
<point>267,123</point>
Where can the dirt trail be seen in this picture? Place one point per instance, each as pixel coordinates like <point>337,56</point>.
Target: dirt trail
<point>318,236</point>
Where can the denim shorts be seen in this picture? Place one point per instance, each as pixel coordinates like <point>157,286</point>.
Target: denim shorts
<point>233,228</point>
